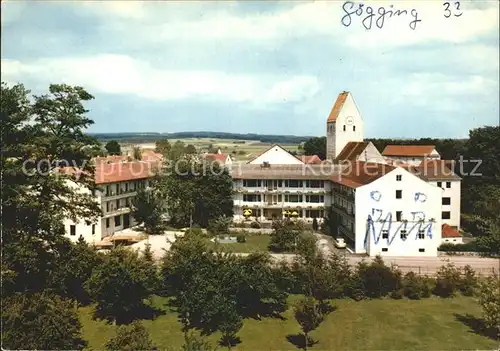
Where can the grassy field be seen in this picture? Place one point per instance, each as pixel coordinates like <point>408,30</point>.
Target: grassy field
<point>242,150</point>
<point>429,324</point>
<point>253,243</point>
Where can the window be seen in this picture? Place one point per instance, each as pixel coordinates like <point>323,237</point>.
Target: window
<point>448,185</point>
<point>439,184</point>
<point>445,215</point>
<point>315,198</point>
<point>251,183</point>
<point>314,183</point>
<point>384,249</point>
<point>93,229</point>
<point>421,250</point>
<point>107,222</point>
<point>72,230</point>
<point>108,190</point>
<point>126,187</point>
<point>127,201</point>
<point>446,201</point>
<point>293,198</point>
<point>399,194</point>
<point>251,197</point>
<point>344,127</point>
<point>421,234</point>
<point>107,206</point>
<point>293,183</point>
<point>118,188</point>
<point>403,234</point>
<point>117,204</point>
<point>353,128</point>
<point>399,177</point>
<point>118,221</point>
<point>385,234</point>
<point>399,214</point>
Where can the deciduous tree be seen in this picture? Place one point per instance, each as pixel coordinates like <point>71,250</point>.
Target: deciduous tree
<point>113,147</point>
<point>308,314</point>
<point>131,338</point>
<point>316,146</point>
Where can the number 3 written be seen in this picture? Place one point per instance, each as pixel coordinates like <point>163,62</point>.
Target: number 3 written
<point>447,12</point>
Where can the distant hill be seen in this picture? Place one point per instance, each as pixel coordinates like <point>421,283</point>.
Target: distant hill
<point>152,137</point>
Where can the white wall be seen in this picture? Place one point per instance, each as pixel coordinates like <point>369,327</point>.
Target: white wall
<point>371,154</point>
<point>454,194</point>
<point>276,156</point>
<point>425,205</point>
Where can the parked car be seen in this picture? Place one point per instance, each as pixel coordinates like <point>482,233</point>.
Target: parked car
<point>340,243</point>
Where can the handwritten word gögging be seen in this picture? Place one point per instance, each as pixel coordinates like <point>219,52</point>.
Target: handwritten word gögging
<point>370,15</point>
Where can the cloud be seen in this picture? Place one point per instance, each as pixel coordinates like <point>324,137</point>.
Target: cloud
<point>121,74</point>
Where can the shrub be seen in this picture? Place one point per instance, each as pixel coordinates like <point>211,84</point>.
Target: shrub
<point>255,225</point>
<point>448,281</point>
<point>468,283</point>
<point>398,294</point>
<point>413,286</point>
<point>429,285</point>
<point>220,225</point>
<point>468,247</point>
<point>195,231</point>
<point>241,238</point>
<point>354,288</point>
<point>377,279</point>
<point>131,337</point>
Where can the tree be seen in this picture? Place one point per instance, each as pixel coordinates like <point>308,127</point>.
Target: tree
<point>307,313</point>
<point>137,153</point>
<point>316,146</point>
<point>40,321</point>
<point>220,225</point>
<point>130,338</point>
<point>148,207</point>
<point>177,151</point>
<point>163,147</point>
<point>285,235</point>
<point>190,149</point>
<point>73,268</point>
<point>489,299</point>
<point>197,193</point>
<point>40,137</point>
<point>377,279</point>
<point>119,299</point>
<point>196,343</point>
<point>231,323</point>
<point>113,147</point>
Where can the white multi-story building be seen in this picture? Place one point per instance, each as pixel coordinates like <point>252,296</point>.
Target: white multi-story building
<point>117,183</point>
<point>385,210</point>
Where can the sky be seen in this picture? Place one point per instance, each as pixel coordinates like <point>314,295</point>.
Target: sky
<point>262,67</point>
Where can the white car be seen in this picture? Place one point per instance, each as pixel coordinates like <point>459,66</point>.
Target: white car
<point>340,243</point>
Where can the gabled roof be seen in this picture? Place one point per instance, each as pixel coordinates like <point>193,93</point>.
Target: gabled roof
<point>352,151</point>
<point>221,158</point>
<point>361,173</point>
<point>408,150</point>
<point>448,231</point>
<point>269,149</point>
<point>310,159</point>
<point>334,113</point>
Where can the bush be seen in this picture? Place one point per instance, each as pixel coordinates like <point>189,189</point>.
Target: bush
<point>241,238</point>
<point>468,282</point>
<point>469,247</point>
<point>220,225</point>
<point>255,225</point>
<point>195,231</point>
<point>398,294</point>
<point>413,286</point>
<point>448,281</point>
<point>131,337</point>
<point>377,279</point>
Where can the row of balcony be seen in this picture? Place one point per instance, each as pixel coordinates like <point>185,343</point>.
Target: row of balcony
<point>281,190</point>
<point>268,204</point>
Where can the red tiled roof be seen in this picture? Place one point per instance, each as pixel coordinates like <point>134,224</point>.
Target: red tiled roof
<point>334,113</point>
<point>310,159</point>
<point>361,173</point>
<point>448,231</point>
<point>352,151</point>
<point>110,159</point>
<point>221,158</point>
<point>123,171</point>
<point>408,150</point>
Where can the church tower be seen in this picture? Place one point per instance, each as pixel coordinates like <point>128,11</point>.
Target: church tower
<point>344,124</point>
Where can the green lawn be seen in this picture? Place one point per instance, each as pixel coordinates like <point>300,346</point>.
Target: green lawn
<point>429,324</point>
<point>254,242</point>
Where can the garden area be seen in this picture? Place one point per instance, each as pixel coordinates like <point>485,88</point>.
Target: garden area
<point>379,324</point>
<point>249,243</point>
